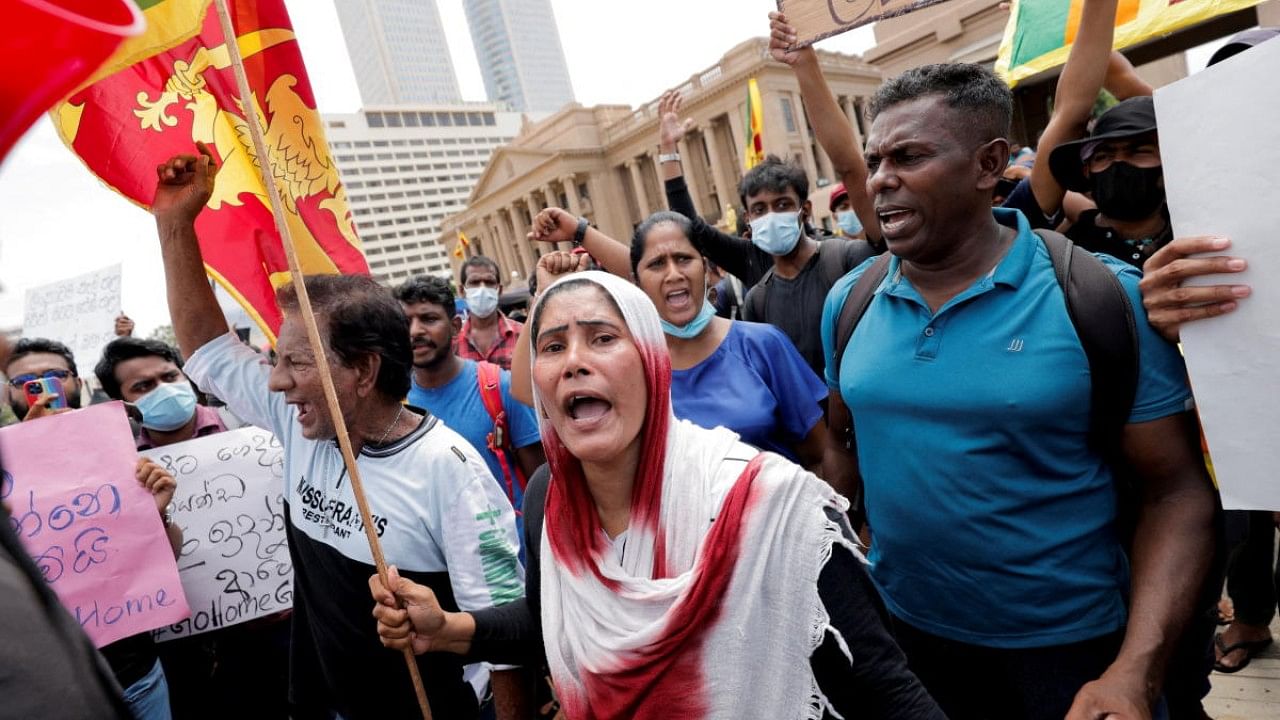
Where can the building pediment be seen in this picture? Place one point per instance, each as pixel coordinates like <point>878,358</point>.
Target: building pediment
<point>506,163</point>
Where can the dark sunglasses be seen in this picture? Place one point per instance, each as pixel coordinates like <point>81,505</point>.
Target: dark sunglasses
<point>19,381</point>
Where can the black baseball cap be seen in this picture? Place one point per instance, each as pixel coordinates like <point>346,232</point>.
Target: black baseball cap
<point>1128,118</point>
<point>1243,41</point>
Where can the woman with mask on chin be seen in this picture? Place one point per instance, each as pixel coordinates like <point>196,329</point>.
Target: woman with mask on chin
<point>747,377</point>
<point>674,572</point>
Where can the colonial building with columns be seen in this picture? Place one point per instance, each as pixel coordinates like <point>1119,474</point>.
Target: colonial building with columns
<point>601,162</point>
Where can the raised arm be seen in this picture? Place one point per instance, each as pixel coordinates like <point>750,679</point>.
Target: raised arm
<point>830,125</point>
<point>554,225</point>
<point>1078,87</point>
<point>550,267</point>
<point>184,184</point>
<point>1123,81</point>
<point>735,255</point>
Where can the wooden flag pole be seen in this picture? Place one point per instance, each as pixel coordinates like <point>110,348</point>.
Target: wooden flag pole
<point>309,319</point>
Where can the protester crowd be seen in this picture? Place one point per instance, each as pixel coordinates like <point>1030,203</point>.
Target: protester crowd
<point>942,463</point>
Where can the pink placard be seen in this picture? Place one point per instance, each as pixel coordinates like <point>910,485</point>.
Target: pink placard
<point>91,528</point>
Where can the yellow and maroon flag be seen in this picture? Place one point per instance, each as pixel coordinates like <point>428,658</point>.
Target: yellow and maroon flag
<point>754,154</point>
<point>460,250</point>
<point>178,87</point>
<point>1040,32</point>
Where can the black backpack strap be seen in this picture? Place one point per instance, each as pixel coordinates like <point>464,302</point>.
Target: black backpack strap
<point>831,265</point>
<point>855,305</point>
<point>1104,320</point>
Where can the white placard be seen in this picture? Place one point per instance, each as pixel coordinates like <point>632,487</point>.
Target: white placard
<point>80,312</point>
<point>235,562</point>
<point>1221,151</point>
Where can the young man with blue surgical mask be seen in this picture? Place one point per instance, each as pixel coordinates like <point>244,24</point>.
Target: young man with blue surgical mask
<point>487,334</point>
<point>788,270</point>
<point>148,375</point>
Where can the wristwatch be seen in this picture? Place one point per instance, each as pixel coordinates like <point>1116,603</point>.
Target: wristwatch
<point>669,157</point>
<point>581,232</point>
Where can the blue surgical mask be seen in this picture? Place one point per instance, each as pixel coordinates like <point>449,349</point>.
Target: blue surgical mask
<point>776,233</point>
<point>168,407</point>
<point>694,327</point>
<point>849,222</point>
<point>482,301</point>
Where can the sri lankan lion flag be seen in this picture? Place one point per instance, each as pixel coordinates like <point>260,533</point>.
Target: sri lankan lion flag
<point>174,86</point>
<point>1040,32</point>
<point>754,152</point>
<point>460,250</point>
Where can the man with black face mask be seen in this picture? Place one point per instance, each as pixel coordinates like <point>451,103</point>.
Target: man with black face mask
<point>1119,165</point>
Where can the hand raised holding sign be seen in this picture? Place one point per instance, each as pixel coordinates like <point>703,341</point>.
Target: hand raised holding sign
<point>161,485</point>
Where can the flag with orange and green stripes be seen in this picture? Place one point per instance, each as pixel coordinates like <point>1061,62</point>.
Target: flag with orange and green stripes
<point>1040,32</point>
<point>753,152</point>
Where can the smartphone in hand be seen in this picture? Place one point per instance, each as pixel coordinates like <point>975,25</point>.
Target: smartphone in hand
<point>40,387</point>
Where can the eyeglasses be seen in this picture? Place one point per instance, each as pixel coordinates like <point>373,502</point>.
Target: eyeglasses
<point>19,381</point>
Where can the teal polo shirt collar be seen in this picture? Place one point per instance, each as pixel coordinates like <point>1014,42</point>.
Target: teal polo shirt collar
<point>1011,271</point>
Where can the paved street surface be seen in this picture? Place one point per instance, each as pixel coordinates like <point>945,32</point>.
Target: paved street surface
<point>1252,693</point>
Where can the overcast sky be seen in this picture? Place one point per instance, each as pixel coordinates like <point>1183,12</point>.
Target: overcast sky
<point>57,220</point>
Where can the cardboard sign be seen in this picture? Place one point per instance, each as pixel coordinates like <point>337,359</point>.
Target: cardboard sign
<point>235,562</point>
<point>90,527</point>
<point>818,19</point>
<point>1220,178</point>
<point>80,312</point>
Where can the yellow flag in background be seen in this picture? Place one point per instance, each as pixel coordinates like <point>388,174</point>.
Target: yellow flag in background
<point>1040,32</point>
<point>754,153</point>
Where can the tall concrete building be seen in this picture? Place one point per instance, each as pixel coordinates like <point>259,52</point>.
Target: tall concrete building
<point>518,46</point>
<point>398,51</point>
<point>408,167</point>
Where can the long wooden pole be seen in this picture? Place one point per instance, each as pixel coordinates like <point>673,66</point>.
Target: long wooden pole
<point>309,320</point>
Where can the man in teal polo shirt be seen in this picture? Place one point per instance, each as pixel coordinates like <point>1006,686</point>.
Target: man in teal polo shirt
<point>995,543</point>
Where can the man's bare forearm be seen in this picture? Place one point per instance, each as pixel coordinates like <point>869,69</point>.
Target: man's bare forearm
<point>1172,551</point>
<point>512,694</point>
<point>197,318</point>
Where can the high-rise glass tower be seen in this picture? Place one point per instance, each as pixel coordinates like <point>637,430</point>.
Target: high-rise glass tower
<point>521,59</point>
<point>399,52</point>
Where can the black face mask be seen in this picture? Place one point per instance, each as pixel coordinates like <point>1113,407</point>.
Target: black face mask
<point>1128,192</point>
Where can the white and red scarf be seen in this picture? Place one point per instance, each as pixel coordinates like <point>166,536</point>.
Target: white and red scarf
<point>712,611</point>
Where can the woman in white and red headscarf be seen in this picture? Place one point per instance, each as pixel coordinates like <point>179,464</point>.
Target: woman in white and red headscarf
<point>676,572</point>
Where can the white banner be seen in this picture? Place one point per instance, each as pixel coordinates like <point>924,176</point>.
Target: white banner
<point>235,562</point>
<point>80,312</point>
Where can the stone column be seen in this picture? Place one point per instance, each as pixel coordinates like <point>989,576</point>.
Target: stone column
<point>806,140</point>
<point>637,182</point>
<point>651,161</point>
<point>524,250</point>
<point>571,194</point>
<point>851,113</point>
<point>505,250</point>
<point>726,193</point>
<point>575,203</point>
<point>738,141</point>
<point>690,173</point>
